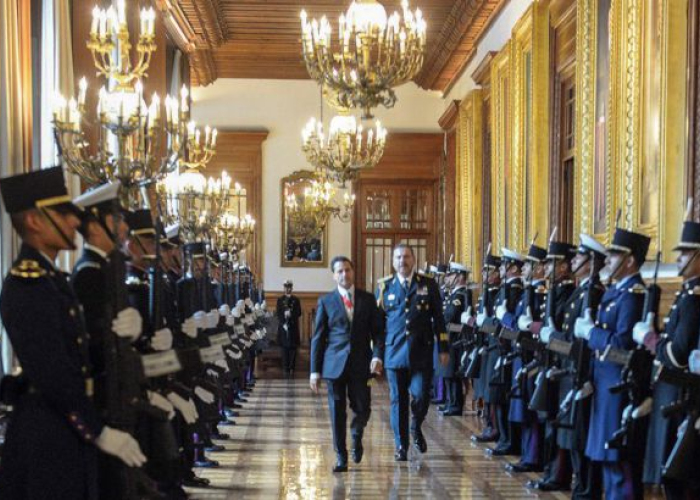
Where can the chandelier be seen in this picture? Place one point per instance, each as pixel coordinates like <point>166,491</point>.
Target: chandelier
<point>346,150</point>
<point>130,132</point>
<point>372,54</point>
<point>311,211</point>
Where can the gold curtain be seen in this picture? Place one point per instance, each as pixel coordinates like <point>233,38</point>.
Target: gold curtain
<point>15,119</point>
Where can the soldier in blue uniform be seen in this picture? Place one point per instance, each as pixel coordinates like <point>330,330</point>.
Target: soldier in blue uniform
<point>620,309</point>
<point>55,429</point>
<point>458,301</point>
<point>672,350</point>
<point>499,369</point>
<point>413,313</point>
<point>585,267</point>
<point>526,313</point>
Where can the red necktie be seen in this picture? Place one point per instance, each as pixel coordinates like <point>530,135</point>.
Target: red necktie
<point>347,302</point>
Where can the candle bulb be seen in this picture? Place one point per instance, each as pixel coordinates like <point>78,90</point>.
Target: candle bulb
<point>82,85</point>
<point>95,21</point>
<point>213,137</point>
<point>207,134</point>
<point>155,102</point>
<point>143,23</point>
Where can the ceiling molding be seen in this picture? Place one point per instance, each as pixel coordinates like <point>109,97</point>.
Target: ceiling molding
<point>449,118</point>
<point>202,68</point>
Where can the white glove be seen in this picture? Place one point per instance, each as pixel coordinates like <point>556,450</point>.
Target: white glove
<point>200,319</point>
<point>212,373</point>
<point>240,304</point>
<point>525,320</point>
<point>224,310</point>
<point>184,406</point>
<point>480,318</point>
<point>230,320</point>
<point>694,362</point>
<point>212,319</point>
<point>128,324</point>
<point>643,409</point>
<point>248,302</point>
<point>221,363</point>
<point>263,332</point>
<point>546,331</point>
<point>501,311</point>
<point>204,395</point>
<point>287,314</point>
<point>263,305</point>
<point>159,401</point>
<point>643,328</point>
<point>583,326</point>
<point>466,316</point>
<point>162,340</point>
<point>236,313</point>
<point>627,412</point>
<point>189,327</point>
<point>585,391</point>
<point>121,445</point>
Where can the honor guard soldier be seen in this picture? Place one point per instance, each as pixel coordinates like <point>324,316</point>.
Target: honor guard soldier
<point>620,309</point>
<point>498,375</point>
<point>457,302</point>
<point>545,398</point>
<point>55,429</point>
<point>522,385</point>
<point>672,349</point>
<point>414,322</point>
<point>575,407</point>
<point>491,281</point>
<point>288,314</point>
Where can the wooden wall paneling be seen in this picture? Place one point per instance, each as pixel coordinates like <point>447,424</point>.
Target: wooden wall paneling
<point>448,180</point>
<point>693,160</point>
<point>239,153</point>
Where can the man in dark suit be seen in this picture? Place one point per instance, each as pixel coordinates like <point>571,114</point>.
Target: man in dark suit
<point>412,311</point>
<point>346,348</point>
<point>288,314</point>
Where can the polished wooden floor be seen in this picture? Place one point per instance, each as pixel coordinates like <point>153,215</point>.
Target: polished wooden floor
<point>282,448</point>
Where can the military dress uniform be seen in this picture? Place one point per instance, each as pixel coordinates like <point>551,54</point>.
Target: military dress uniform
<point>412,311</point>
<point>620,309</point>
<point>288,328</point>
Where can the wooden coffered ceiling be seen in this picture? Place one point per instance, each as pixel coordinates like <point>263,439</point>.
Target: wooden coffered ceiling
<point>261,38</point>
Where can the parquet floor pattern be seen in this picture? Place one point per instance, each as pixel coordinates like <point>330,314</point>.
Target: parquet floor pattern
<point>282,448</point>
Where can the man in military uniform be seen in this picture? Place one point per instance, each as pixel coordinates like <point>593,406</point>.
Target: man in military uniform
<point>55,429</point>
<point>575,409</point>
<point>499,370</point>
<point>413,313</point>
<point>288,314</point>
<point>545,398</point>
<point>620,309</point>
<point>522,385</point>
<point>459,299</point>
<point>672,350</point>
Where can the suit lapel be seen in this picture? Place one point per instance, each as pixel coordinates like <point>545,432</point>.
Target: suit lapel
<point>341,305</point>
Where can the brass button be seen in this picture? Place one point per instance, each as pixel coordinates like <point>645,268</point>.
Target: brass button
<point>84,369</point>
<point>71,311</point>
<point>79,340</point>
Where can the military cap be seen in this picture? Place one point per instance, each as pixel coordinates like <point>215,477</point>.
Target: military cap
<point>536,253</point>
<point>493,261</point>
<point>37,189</point>
<point>629,242</point>
<point>172,232</point>
<point>560,250</point>
<point>195,249</point>
<point>513,257</point>
<point>141,222</point>
<point>456,267</point>
<point>288,283</point>
<point>589,244</point>
<point>690,237</point>
<point>99,199</point>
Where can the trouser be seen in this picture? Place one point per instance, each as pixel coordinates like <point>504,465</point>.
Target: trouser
<point>289,359</point>
<point>587,477</point>
<point>619,481</point>
<point>508,432</point>
<point>679,490</point>
<point>531,442</point>
<point>357,392</point>
<point>455,395</point>
<point>405,383</point>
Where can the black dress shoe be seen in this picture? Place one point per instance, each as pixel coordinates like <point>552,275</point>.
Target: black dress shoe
<point>341,464</point>
<point>485,438</point>
<point>230,413</point>
<point>357,451</point>
<point>437,401</point>
<point>206,463</point>
<point>226,422</point>
<point>236,406</point>
<point>220,436</point>
<point>521,467</point>
<point>419,441</point>
<point>501,451</point>
<point>215,447</point>
<point>400,455</point>
<point>552,486</point>
<point>451,412</point>
<point>196,482</point>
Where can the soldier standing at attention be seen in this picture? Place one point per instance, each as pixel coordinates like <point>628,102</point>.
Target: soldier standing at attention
<point>55,429</point>
<point>412,310</point>
<point>288,314</point>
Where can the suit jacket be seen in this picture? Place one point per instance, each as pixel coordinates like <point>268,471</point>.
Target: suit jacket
<point>337,342</point>
<point>414,322</point>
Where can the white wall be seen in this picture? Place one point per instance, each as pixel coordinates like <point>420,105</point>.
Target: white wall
<point>495,38</point>
<point>283,107</point>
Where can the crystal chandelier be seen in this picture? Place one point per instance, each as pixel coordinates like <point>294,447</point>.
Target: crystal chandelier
<point>371,55</point>
<point>346,150</point>
<point>312,210</point>
<point>130,132</point>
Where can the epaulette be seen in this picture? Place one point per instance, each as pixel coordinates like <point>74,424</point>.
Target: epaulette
<point>28,269</point>
<point>382,281</point>
<point>135,281</point>
<point>426,274</point>
<point>493,288</point>
<point>566,282</point>
<point>541,289</point>
<point>516,285</point>
<point>85,264</point>
<point>637,288</point>
<point>695,290</point>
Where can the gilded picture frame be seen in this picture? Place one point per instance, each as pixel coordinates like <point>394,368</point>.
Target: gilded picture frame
<point>302,244</point>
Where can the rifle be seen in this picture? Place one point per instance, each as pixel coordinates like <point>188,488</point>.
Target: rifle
<point>637,370</point>
<point>680,464</point>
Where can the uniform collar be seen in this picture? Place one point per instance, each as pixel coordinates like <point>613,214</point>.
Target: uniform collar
<point>460,287</point>
<point>402,280</point>
<point>96,250</point>
<point>624,282</point>
<point>28,252</point>
<point>585,281</point>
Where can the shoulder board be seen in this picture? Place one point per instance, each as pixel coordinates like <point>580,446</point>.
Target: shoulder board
<point>516,285</point>
<point>28,269</point>
<point>695,290</point>
<point>425,274</point>
<point>638,288</point>
<point>541,289</point>
<point>566,283</point>
<point>383,280</point>
<point>84,264</point>
<point>135,280</point>
<point>493,289</point>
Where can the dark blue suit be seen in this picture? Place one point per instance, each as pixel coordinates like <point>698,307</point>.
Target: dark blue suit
<point>341,352</point>
<point>414,322</point>
<point>619,310</point>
